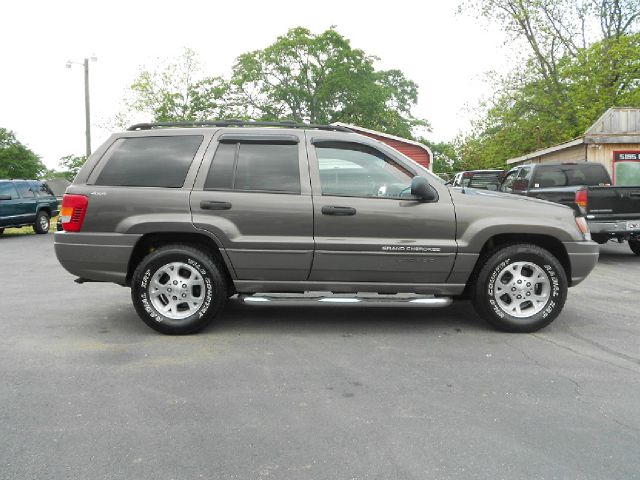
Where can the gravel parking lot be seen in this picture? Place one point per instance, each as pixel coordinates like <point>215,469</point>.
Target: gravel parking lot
<point>89,392</point>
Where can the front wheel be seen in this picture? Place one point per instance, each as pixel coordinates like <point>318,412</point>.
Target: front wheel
<point>43,222</point>
<point>520,288</point>
<point>178,289</point>
<point>634,245</point>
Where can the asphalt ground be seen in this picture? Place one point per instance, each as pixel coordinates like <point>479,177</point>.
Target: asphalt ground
<point>87,391</point>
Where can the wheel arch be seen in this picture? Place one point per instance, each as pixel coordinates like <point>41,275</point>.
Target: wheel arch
<point>152,241</point>
<point>500,240</point>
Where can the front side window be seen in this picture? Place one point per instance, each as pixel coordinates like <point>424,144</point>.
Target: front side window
<point>355,170</point>
<point>258,167</point>
<point>7,188</point>
<point>150,161</point>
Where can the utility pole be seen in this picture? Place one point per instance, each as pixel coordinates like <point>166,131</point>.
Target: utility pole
<point>87,108</point>
<point>87,103</point>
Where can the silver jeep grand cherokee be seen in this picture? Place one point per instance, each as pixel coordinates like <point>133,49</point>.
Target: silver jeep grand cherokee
<point>189,215</point>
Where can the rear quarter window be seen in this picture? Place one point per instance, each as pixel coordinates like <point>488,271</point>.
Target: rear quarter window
<point>149,161</point>
<point>570,175</point>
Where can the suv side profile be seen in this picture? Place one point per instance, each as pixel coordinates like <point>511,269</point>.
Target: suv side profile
<point>188,216</point>
<point>26,202</point>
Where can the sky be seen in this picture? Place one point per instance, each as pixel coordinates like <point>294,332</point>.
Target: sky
<point>446,53</point>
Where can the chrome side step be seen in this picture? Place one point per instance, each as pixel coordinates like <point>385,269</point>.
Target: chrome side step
<point>363,299</point>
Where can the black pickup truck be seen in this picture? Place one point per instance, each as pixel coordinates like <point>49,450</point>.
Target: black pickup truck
<point>612,212</point>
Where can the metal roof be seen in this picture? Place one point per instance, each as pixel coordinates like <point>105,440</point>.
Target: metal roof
<point>356,128</point>
<point>616,125</point>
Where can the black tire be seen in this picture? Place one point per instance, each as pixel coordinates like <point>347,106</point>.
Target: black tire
<point>43,222</point>
<point>1,231</point>
<point>493,269</point>
<point>599,238</point>
<point>212,293</point>
<point>634,245</point>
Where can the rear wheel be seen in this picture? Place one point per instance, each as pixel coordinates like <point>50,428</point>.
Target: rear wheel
<point>178,289</point>
<point>1,231</point>
<point>634,245</point>
<point>520,288</point>
<point>43,222</point>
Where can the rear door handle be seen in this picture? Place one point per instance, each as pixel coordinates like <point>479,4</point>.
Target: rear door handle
<point>339,211</point>
<point>211,205</point>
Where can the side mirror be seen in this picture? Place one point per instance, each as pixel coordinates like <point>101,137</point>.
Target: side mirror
<point>5,197</point>
<point>421,189</point>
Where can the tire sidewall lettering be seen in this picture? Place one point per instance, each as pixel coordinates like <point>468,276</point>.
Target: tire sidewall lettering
<point>150,309</point>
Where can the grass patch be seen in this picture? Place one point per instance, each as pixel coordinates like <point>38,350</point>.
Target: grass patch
<point>28,230</point>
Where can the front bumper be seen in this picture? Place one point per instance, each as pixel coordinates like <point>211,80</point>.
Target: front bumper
<point>99,257</point>
<point>583,257</point>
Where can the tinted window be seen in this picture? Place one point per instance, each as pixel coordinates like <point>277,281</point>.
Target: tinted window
<point>43,190</point>
<point>24,189</point>
<point>221,171</point>
<point>150,161</point>
<point>570,175</point>
<point>507,184</point>
<point>270,167</point>
<point>360,171</point>
<point>7,188</point>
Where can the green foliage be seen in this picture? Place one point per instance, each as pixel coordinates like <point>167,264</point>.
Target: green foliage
<point>16,160</point>
<point>446,156</point>
<point>70,166</point>
<point>301,76</point>
<point>566,82</point>
<point>178,92</point>
<point>322,79</point>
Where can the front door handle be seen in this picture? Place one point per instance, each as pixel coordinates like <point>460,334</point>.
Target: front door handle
<point>339,211</point>
<point>211,205</point>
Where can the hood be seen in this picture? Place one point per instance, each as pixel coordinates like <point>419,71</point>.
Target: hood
<point>473,192</point>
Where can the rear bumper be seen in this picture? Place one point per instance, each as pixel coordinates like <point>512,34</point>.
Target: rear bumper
<point>616,227</point>
<point>100,257</point>
<point>583,257</point>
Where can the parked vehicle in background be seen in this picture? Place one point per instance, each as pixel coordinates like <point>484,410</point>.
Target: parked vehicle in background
<point>26,202</point>
<point>190,216</point>
<point>482,179</point>
<point>612,212</point>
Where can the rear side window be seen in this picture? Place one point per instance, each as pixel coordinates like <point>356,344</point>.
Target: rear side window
<point>263,167</point>
<point>7,188</point>
<point>150,161</point>
<point>570,175</point>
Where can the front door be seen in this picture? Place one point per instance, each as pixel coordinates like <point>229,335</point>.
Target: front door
<point>253,193</point>
<point>10,210</point>
<point>368,227</point>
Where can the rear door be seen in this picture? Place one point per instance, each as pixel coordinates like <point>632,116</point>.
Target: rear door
<point>253,193</point>
<point>368,228</point>
<point>27,204</point>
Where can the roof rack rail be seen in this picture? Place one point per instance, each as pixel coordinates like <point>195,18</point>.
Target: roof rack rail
<point>237,123</point>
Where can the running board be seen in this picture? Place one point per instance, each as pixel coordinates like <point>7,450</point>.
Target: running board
<point>371,300</point>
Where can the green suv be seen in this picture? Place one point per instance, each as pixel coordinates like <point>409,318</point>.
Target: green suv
<point>26,202</point>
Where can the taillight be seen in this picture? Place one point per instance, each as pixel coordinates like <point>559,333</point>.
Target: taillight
<point>581,198</point>
<point>72,212</point>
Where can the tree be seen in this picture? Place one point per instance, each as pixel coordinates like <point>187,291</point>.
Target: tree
<point>583,57</point>
<point>322,79</point>
<point>70,166</point>
<point>16,160</point>
<point>178,91</point>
